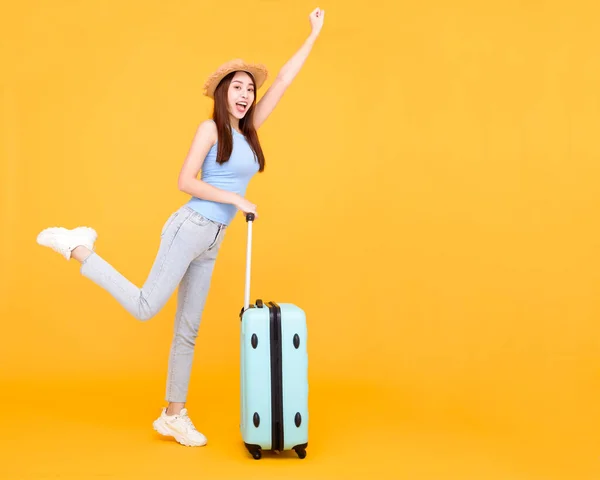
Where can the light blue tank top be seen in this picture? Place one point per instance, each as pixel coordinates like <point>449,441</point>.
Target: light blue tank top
<point>232,175</point>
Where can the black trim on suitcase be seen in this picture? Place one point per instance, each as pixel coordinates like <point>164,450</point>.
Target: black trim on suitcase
<point>276,378</point>
<point>242,311</point>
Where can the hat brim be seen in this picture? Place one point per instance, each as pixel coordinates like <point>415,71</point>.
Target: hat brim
<point>257,70</point>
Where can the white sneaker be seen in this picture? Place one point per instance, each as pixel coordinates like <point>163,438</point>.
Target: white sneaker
<point>64,241</point>
<point>180,427</point>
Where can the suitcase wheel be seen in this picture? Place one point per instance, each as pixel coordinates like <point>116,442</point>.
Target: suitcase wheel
<point>255,451</point>
<point>301,452</point>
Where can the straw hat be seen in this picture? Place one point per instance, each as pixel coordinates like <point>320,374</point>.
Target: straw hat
<point>258,71</point>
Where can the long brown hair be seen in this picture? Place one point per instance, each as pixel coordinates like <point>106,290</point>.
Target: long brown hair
<point>221,118</point>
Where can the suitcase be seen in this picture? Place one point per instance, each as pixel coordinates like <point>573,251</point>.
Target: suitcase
<point>274,373</point>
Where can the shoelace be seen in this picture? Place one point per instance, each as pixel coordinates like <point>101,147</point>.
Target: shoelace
<point>188,421</point>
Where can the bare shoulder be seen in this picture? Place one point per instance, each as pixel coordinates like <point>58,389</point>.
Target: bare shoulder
<point>208,130</point>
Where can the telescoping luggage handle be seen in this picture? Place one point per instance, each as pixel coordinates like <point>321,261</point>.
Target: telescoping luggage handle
<point>249,220</point>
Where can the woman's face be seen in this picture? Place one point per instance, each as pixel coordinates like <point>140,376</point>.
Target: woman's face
<point>240,95</point>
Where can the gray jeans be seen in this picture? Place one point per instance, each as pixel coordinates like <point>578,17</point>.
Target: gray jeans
<point>186,257</point>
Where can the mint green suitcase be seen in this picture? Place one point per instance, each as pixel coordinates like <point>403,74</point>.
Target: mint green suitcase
<point>274,373</point>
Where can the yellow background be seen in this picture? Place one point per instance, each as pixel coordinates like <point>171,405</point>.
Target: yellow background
<point>430,199</point>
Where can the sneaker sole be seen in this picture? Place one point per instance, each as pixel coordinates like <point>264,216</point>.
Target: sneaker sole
<point>180,438</point>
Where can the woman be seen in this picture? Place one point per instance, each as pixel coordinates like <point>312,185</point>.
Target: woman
<point>228,152</point>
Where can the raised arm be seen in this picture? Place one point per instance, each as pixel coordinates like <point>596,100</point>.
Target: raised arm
<point>289,71</point>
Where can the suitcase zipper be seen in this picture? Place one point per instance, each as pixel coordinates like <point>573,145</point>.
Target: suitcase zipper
<point>276,378</point>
